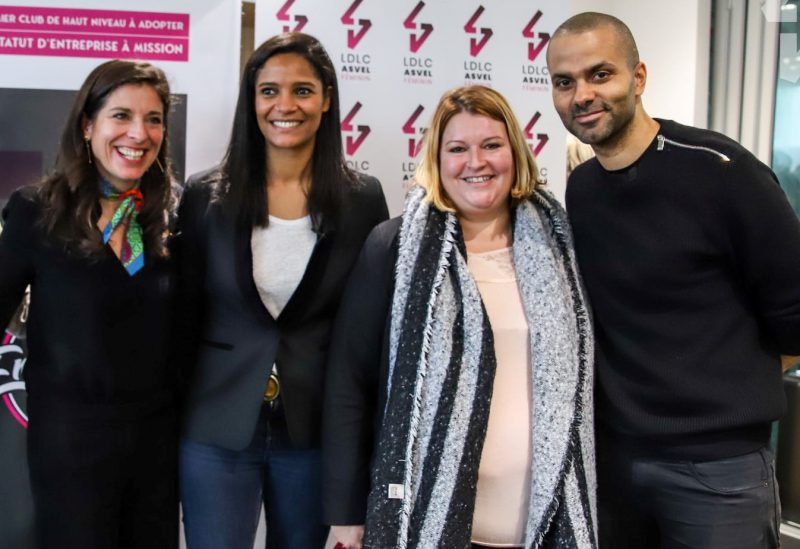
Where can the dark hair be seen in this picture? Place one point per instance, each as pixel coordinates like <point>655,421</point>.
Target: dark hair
<point>590,20</point>
<point>243,171</point>
<point>70,194</point>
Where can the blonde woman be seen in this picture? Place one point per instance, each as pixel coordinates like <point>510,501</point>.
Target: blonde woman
<point>458,400</point>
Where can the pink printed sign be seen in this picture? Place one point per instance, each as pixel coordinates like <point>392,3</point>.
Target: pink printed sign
<point>64,32</point>
<point>12,355</point>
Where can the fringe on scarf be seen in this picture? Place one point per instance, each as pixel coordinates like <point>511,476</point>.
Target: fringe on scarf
<point>441,372</point>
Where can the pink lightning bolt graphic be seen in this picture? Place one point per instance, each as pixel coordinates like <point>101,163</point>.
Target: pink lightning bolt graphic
<point>415,42</point>
<point>542,137</point>
<point>283,15</point>
<point>352,145</point>
<point>408,128</point>
<point>544,38</point>
<point>354,38</point>
<point>475,47</point>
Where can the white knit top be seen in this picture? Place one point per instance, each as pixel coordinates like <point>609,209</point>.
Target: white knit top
<point>280,256</point>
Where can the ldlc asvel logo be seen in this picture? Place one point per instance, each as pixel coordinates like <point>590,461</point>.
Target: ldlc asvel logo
<point>283,16</point>
<point>355,66</point>
<point>476,46</point>
<point>414,142</point>
<point>416,41</point>
<point>477,72</point>
<point>354,36</point>
<point>354,138</point>
<point>417,69</point>
<point>535,49</point>
<point>538,141</point>
<point>535,76</point>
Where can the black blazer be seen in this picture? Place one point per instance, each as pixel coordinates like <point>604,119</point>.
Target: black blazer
<point>358,372</point>
<point>229,341</point>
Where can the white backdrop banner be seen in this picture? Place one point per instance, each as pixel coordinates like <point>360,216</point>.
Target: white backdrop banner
<point>395,59</point>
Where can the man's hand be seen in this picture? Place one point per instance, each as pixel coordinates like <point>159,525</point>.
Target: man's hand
<point>348,537</point>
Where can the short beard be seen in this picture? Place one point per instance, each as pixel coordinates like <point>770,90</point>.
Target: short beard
<point>607,136</point>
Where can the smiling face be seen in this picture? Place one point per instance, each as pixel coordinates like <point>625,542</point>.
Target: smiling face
<point>595,90</point>
<point>476,166</point>
<point>126,134</point>
<point>290,102</point>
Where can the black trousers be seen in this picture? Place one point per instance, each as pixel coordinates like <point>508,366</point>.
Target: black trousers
<point>729,503</point>
<point>104,484</point>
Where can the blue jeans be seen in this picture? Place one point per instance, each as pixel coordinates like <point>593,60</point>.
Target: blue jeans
<point>730,503</point>
<point>222,492</point>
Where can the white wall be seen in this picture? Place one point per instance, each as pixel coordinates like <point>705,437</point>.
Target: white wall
<point>674,43</point>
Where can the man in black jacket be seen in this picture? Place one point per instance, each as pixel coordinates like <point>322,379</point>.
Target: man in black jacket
<point>691,257</point>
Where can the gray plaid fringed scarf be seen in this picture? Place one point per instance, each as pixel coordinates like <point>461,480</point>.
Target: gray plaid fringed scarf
<point>441,372</point>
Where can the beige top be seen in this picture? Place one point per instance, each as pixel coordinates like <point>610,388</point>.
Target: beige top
<point>504,477</point>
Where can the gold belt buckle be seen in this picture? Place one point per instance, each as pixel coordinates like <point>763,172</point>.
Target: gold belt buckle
<point>273,389</point>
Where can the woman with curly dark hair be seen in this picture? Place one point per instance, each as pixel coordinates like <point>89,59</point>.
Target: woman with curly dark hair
<point>267,240</point>
<point>90,240</point>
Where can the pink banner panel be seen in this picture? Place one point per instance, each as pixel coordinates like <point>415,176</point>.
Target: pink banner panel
<point>63,32</point>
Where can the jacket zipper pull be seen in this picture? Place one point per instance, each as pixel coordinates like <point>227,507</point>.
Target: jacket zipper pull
<point>660,139</point>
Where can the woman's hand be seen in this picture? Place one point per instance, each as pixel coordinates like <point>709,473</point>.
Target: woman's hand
<point>348,537</point>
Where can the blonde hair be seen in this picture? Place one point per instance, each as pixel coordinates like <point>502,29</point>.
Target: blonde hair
<point>483,101</point>
<point>577,153</point>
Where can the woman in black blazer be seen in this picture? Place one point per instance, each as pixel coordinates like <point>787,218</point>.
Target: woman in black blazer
<point>90,240</point>
<point>266,242</point>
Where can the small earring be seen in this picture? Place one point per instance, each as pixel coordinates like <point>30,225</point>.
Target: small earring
<point>159,164</point>
<point>87,141</point>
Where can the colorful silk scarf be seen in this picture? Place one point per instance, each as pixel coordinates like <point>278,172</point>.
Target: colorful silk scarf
<point>132,254</point>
